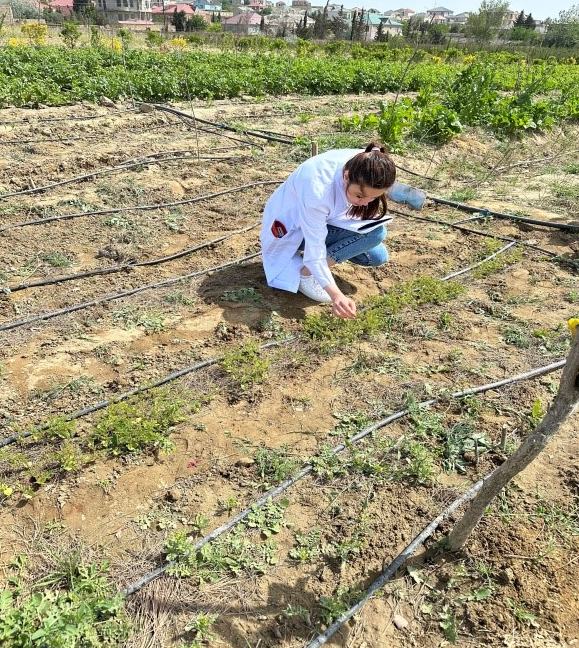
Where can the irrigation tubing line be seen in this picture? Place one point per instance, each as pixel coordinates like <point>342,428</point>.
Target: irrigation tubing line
<point>126,293</point>
<point>132,392</point>
<point>146,160</point>
<point>60,140</point>
<point>118,210</point>
<point>257,134</point>
<point>130,589</point>
<point>398,562</point>
<point>55,119</point>
<point>127,266</point>
<point>536,160</point>
<point>472,231</point>
<point>476,265</point>
<point>489,212</point>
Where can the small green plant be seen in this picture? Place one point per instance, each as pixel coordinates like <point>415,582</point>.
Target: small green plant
<point>200,626</point>
<point>242,295</point>
<point>139,424</point>
<point>516,336</point>
<point>308,546</point>
<point>246,365</point>
<point>180,299</point>
<point>448,624</point>
<point>521,614</point>
<point>150,321</point>
<point>332,608</point>
<point>55,259</point>
<point>498,263</point>
<point>274,465</point>
<point>228,504</point>
<point>464,195</point>
<point>268,519</point>
<point>70,457</point>
<point>292,611</point>
<point>199,523</point>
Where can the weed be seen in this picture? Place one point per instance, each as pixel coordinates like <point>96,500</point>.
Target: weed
<point>55,259</point>
<point>242,295</point>
<point>448,624</point>
<point>572,167</point>
<point>150,321</point>
<point>138,424</point>
<point>274,465</point>
<point>521,614</point>
<point>268,519</point>
<point>378,313</point>
<point>173,223</point>
<point>200,626</point>
<point>199,523</point>
<point>179,298</point>
<point>246,365</point>
<point>84,610</point>
<point>229,504</point>
<point>516,336</point>
<point>464,195</point>
<point>350,424</point>
<point>332,608</point>
<point>498,263</point>
<point>70,457</point>
<point>572,297</point>
<point>297,611</point>
<point>307,546</point>
<point>120,221</point>
<point>56,427</point>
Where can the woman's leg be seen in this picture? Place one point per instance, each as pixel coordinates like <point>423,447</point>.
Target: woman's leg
<point>362,249</point>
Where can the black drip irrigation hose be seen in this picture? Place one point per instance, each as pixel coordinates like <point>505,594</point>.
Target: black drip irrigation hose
<point>132,392</point>
<point>126,293</point>
<point>489,212</point>
<point>180,113</point>
<point>144,161</point>
<point>130,589</point>
<point>127,267</point>
<point>118,210</point>
<point>468,230</point>
<point>398,562</point>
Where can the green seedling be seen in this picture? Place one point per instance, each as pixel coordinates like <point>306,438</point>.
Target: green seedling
<point>246,365</point>
<point>308,546</point>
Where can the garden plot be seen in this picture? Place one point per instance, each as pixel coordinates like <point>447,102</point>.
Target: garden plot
<point>168,389</point>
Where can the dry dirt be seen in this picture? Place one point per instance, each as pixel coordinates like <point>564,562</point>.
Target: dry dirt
<point>513,320</point>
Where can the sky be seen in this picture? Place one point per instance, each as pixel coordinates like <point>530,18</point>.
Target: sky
<point>539,8</point>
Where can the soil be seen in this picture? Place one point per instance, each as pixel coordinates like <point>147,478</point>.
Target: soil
<point>514,583</point>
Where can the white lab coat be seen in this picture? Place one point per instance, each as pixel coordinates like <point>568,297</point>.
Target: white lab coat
<point>312,198</point>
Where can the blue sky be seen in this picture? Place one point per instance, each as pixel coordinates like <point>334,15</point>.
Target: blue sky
<point>538,8</point>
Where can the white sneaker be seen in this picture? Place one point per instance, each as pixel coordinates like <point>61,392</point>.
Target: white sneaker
<point>312,289</point>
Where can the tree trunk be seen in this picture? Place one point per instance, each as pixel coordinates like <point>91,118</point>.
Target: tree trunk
<point>563,405</point>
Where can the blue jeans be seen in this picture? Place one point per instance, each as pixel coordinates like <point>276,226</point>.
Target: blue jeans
<point>361,249</point>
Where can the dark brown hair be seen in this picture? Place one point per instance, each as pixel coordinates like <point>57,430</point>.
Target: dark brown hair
<point>372,168</point>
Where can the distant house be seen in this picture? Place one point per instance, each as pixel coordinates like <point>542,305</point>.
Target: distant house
<point>62,6</point>
<point>118,11</point>
<point>301,3</point>
<point>373,21</point>
<point>391,26</point>
<point>458,19</point>
<point>403,14</point>
<point>247,23</point>
<point>438,15</point>
<point>257,5</point>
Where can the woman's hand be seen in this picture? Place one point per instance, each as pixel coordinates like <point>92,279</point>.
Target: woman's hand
<point>342,306</point>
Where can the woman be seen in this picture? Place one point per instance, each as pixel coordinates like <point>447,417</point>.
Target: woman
<point>331,209</point>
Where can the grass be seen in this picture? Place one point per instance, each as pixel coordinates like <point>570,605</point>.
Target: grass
<point>246,365</point>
